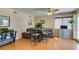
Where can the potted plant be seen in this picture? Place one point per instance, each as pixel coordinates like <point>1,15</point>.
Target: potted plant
<point>5,30</point>
<point>38,25</point>
<point>71,21</point>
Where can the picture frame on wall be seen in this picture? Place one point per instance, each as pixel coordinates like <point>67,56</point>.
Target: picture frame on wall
<point>42,21</point>
<point>30,22</point>
<point>4,21</point>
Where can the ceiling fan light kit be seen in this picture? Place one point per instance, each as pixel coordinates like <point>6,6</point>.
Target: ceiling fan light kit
<point>49,13</point>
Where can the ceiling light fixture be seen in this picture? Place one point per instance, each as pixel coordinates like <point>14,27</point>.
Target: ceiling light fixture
<point>49,11</point>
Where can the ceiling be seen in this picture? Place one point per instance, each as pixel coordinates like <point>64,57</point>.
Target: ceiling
<point>39,11</point>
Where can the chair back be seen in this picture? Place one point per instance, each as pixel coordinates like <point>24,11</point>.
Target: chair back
<point>50,32</point>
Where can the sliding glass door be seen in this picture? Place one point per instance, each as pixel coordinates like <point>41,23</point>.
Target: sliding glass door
<point>77,27</point>
<point>63,21</point>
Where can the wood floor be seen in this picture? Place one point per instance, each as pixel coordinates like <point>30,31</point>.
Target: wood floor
<point>52,44</point>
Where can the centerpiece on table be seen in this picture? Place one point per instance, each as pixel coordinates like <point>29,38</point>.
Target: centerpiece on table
<point>38,25</point>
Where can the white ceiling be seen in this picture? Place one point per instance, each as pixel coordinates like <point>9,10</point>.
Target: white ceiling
<point>37,11</point>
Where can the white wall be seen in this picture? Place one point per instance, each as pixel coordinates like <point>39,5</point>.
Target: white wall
<point>18,21</point>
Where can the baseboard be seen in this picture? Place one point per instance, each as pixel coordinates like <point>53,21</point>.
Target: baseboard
<point>76,40</point>
<point>18,38</point>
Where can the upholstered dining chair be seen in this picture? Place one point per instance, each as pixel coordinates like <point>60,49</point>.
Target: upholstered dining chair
<point>36,35</point>
<point>48,32</point>
<point>45,34</point>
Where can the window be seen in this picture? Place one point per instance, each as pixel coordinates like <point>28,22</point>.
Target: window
<point>4,21</point>
<point>62,21</point>
<point>58,23</point>
<point>78,27</point>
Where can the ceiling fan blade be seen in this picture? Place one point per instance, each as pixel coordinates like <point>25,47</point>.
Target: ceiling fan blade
<point>47,9</point>
<point>56,10</point>
<point>51,9</point>
<point>40,9</point>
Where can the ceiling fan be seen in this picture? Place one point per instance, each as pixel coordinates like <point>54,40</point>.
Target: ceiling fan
<point>48,10</point>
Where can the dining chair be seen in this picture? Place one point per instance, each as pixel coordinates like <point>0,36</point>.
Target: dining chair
<point>36,35</point>
<point>45,34</point>
<point>48,32</point>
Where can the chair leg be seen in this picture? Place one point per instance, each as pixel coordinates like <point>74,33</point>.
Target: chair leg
<point>35,39</point>
<point>31,39</point>
<point>35,43</point>
<point>46,38</point>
